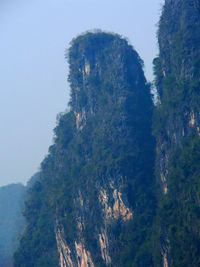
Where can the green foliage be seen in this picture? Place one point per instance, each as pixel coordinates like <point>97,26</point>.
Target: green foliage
<point>177,80</point>
<point>179,211</point>
<point>33,249</point>
<point>114,142</point>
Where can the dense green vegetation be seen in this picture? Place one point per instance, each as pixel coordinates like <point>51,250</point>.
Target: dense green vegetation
<point>113,142</point>
<point>176,127</point>
<point>180,210</point>
<point>105,142</point>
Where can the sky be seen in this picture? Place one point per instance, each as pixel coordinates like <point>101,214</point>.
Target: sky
<point>33,70</point>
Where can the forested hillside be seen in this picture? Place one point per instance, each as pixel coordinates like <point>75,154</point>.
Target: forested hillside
<point>94,203</point>
<point>120,185</point>
<point>177,129</point>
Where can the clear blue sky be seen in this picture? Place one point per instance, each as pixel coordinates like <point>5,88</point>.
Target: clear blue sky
<point>33,70</point>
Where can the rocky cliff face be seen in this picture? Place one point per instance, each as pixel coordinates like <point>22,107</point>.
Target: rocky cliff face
<point>97,180</point>
<point>94,203</point>
<point>177,79</point>
<point>177,128</point>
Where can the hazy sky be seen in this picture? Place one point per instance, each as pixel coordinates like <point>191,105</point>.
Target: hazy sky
<point>33,70</point>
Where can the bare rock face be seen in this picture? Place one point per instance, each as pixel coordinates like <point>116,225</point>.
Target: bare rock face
<point>63,249</point>
<point>98,178</point>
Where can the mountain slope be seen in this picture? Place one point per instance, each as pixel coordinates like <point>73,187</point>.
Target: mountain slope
<point>93,205</point>
<point>177,129</point>
<point>11,221</point>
